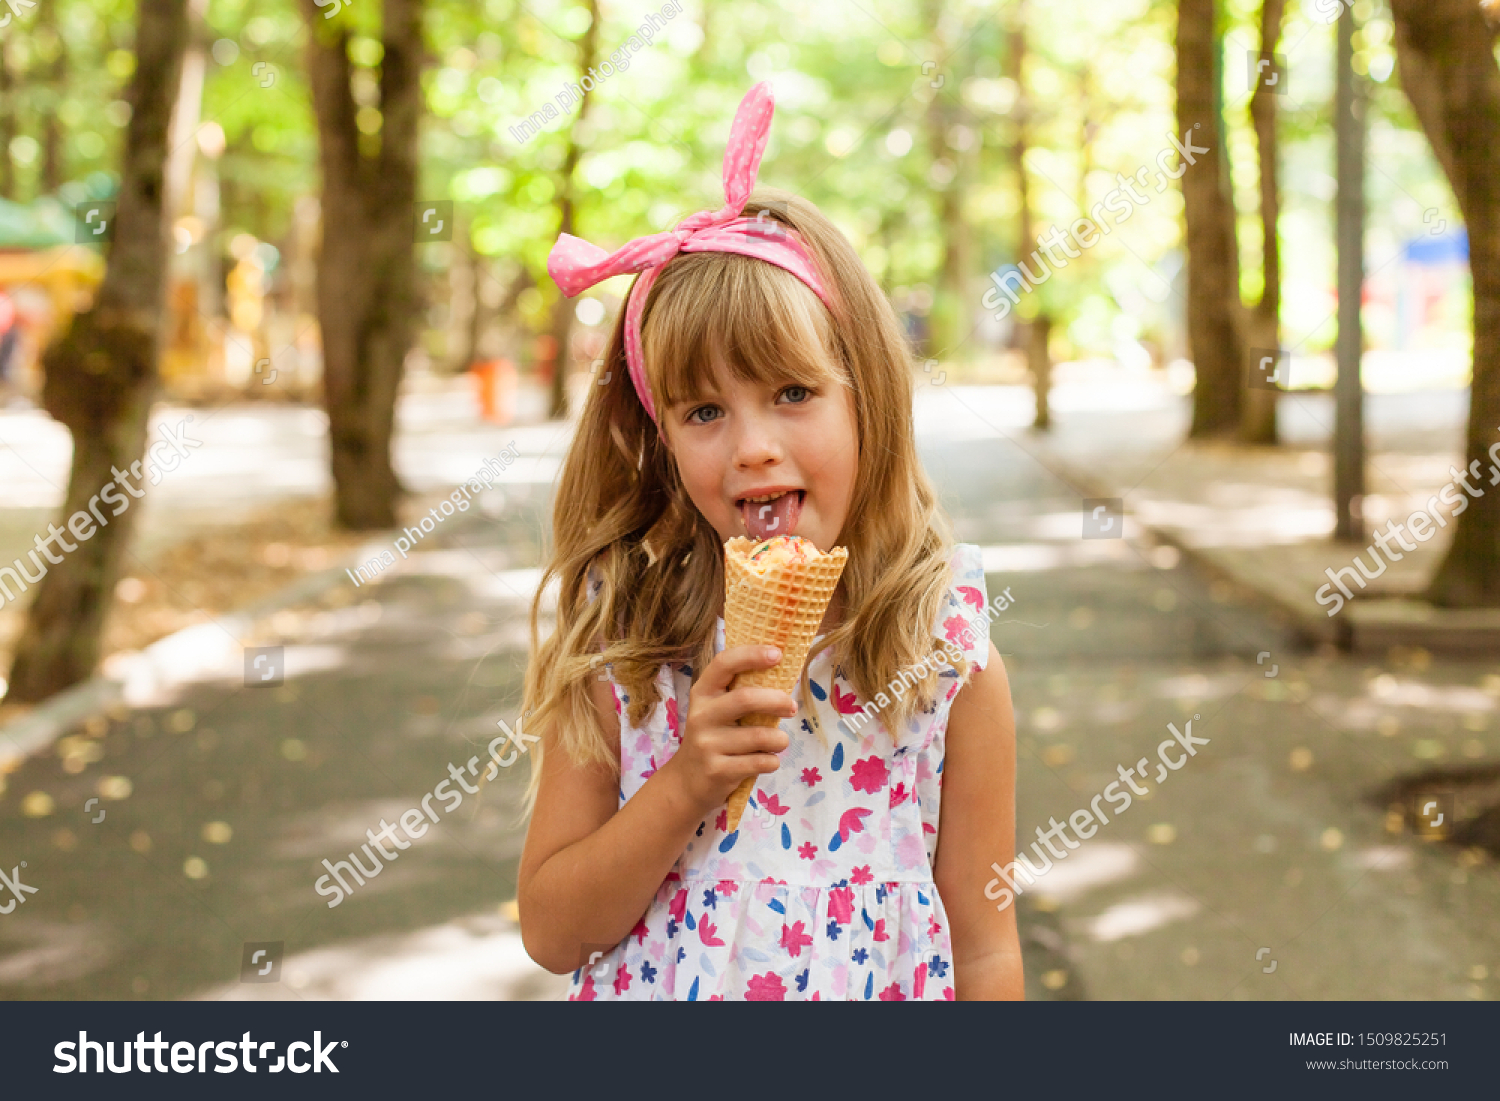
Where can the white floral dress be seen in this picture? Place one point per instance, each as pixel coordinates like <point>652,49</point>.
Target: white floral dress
<point>825,891</point>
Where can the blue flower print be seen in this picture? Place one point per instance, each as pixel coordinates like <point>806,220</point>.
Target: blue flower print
<point>672,928</point>
<point>936,969</point>
<point>880,893</point>
<point>648,973</point>
<point>681,954</point>
<point>710,899</point>
<point>860,955</point>
<point>833,930</point>
<point>802,981</point>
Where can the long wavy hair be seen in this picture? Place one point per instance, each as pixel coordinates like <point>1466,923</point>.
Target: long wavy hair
<point>622,513</point>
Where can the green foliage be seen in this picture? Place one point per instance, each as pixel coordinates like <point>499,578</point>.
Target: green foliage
<point>882,107</point>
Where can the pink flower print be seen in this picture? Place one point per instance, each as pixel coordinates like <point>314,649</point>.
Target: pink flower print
<point>622,979</point>
<point>892,993</point>
<point>807,850</point>
<point>586,994</point>
<point>972,596</point>
<point>841,905</point>
<point>852,821</point>
<point>810,777</point>
<point>934,927</point>
<point>650,772</point>
<point>678,905</point>
<point>815,997</point>
<point>869,774</point>
<point>770,802</point>
<point>844,702</point>
<point>706,931</point>
<point>726,887</point>
<point>880,933</point>
<point>919,980</point>
<point>898,794</point>
<point>948,993</point>
<point>722,822</point>
<point>615,691</point>
<point>765,988</point>
<point>910,852</point>
<point>954,626</point>
<point>716,997</point>
<point>861,875</point>
<point>672,726</point>
<point>952,692</point>
<point>640,930</point>
<point>793,939</point>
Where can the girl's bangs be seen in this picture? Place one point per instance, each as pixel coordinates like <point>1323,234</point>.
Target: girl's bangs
<point>757,320</point>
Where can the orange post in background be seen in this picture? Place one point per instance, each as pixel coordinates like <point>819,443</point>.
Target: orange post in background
<point>495,383</point>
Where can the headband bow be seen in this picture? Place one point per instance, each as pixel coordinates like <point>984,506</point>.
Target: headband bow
<point>575,265</point>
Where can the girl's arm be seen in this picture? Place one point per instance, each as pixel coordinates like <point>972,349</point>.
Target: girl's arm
<point>977,826</point>
<point>591,867</point>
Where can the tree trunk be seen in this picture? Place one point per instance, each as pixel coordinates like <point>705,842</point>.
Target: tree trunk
<point>54,174</point>
<point>562,310</point>
<point>948,319</point>
<point>1446,55</point>
<point>101,377</point>
<point>1038,330</point>
<point>7,124</point>
<point>1214,337</point>
<point>1258,424</point>
<point>366,284</point>
<point>1039,360</point>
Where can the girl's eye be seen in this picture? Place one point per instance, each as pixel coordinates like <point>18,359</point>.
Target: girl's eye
<point>791,391</point>
<point>692,417</point>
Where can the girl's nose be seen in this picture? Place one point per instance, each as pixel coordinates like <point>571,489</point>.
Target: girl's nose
<point>757,442</point>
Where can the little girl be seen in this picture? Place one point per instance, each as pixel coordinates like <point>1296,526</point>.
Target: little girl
<point>756,385</point>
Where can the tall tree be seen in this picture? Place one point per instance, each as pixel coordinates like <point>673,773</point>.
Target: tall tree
<point>567,197</point>
<point>101,376</point>
<point>7,123</point>
<point>949,317</point>
<point>54,172</point>
<point>1263,329</point>
<point>1446,53</point>
<point>1214,327</point>
<point>366,285</point>
<point>1037,332</point>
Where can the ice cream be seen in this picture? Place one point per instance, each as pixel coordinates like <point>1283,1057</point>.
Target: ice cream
<point>778,552</point>
<point>775,593</point>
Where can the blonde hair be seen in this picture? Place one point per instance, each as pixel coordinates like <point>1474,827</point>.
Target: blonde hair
<point>621,507</point>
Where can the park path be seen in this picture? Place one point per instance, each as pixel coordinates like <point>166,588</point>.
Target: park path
<point>221,800</point>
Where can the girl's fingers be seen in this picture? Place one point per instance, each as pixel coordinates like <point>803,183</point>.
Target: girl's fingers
<point>733,706</point>
<point>737,659</point>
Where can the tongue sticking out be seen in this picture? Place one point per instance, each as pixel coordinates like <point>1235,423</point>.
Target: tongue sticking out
<point>765,519</point>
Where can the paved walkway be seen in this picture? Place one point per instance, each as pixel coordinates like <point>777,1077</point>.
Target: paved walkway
<point>1271,845</point>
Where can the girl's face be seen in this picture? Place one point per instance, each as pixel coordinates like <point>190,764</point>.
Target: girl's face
<point>747,439</point>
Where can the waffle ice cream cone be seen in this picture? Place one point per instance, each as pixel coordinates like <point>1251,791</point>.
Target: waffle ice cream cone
<point>777,598</point>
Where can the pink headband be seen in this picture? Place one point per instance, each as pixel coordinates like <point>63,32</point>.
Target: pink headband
<point>575,265</point>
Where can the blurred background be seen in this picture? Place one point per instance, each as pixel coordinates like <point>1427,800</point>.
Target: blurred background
<point>1193,311</point>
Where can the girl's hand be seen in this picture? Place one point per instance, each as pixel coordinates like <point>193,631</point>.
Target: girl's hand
<point>715,754</point>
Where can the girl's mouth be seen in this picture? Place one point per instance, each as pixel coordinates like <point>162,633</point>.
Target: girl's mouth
<point>766,517</point>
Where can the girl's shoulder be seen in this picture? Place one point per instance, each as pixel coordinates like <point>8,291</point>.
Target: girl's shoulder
<point>963,620</point>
